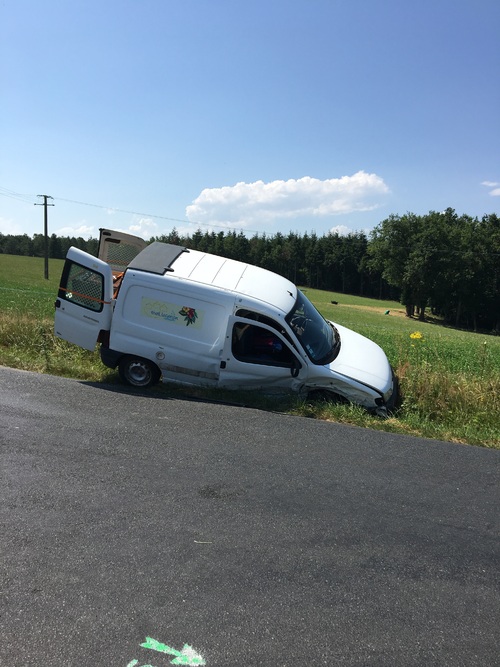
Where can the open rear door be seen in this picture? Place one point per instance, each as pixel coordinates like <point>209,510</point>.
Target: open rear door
<point>118,249</point>
<point>84,303</point>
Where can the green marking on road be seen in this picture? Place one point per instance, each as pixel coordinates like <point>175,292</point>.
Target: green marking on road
<point>188,656</point>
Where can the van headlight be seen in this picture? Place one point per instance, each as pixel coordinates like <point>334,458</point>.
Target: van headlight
<point>388,394</point>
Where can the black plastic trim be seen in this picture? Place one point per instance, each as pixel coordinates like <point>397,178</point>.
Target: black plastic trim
<point>109,357</point>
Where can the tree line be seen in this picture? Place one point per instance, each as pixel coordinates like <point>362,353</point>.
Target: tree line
<point>442,263</point>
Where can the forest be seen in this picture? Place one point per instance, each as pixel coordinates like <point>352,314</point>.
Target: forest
<point>438,264</point>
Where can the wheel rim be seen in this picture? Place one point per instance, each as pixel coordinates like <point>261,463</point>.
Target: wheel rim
<point>138,373</point>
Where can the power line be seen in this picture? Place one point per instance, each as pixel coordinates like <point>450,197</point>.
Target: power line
<point>26,197</point>
<point>122,210</point>
<point>22,197</point>
<point>152,215</point>
<point>16,195</point>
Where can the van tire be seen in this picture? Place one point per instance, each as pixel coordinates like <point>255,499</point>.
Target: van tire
<point>138,372</point>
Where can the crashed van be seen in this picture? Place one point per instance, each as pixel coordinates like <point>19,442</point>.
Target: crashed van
<point>162,311</point>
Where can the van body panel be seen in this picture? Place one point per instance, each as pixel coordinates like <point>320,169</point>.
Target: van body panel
<point>181,330</point>
<point>361,372</point>
<point>238,277</point>
<point>362,360</point>
<point>268,287</point>
<point>267,361</point>
<point>326,378</point>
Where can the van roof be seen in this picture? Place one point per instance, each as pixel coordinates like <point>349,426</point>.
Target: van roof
<point>228,274</point>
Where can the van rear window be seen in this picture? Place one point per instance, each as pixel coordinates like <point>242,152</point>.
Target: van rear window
<point>82,286</point>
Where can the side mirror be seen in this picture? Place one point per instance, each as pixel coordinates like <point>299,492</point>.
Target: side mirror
<point>295,367</point>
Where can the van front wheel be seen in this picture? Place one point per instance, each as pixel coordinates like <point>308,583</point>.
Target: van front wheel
<point>138,372</point>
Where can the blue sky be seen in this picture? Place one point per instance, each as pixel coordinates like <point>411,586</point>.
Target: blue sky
<point>262,116</point>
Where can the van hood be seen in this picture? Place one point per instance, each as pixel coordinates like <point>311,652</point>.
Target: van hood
<point>363,360</point>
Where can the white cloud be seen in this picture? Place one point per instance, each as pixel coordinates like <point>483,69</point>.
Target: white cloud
<point>341,230</point>
<point>495,192</point>
<point>9,227</point>
<point>144,227</point>
<point>83,230</point>
<point>248,204</point>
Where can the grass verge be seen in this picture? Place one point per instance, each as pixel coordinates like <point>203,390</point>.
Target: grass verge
<point>450,380</point>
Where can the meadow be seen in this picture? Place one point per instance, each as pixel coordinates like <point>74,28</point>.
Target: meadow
<point>450,379</point>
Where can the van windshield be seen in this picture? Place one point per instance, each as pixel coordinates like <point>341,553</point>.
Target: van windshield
<point>319,338</point>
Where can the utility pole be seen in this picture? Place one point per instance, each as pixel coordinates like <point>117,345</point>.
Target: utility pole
<point>45,231</point>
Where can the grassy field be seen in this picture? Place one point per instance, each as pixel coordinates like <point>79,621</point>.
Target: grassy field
<point>450,379</point>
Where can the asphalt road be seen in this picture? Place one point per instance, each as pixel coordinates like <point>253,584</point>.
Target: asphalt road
<point>253,538</point>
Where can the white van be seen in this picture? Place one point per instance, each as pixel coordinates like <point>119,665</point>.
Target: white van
<point>163,311</point>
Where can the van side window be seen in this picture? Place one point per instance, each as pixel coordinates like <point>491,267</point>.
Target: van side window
<point>256,345</point>
<point>82,286</point>
<point>251,315</point>
<point>268,321</point>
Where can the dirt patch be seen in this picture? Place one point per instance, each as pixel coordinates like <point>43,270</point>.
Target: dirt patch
<point>375,309</point>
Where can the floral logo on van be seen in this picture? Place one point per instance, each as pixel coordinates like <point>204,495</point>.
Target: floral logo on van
<point>189,314</point>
